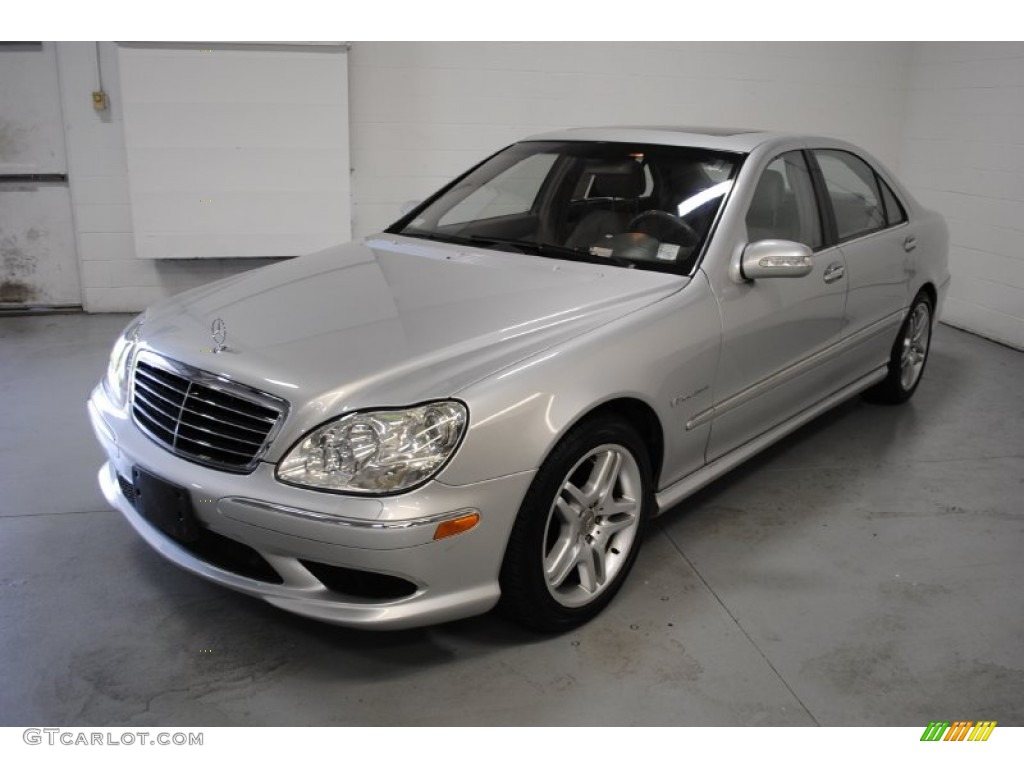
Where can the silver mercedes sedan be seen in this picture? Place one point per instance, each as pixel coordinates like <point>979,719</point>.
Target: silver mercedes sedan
<point>486,403</point>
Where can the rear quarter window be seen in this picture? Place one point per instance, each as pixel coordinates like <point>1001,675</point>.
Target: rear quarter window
<point>894,210</point>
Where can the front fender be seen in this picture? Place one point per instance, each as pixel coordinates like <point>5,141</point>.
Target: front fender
<point>663,355</point>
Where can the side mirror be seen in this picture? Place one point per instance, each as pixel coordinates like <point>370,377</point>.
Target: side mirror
<point>776,258</point>
<point>407,206</point>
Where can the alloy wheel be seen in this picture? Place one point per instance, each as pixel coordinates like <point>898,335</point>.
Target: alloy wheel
<point>915,346</point>
<point>592,525</point>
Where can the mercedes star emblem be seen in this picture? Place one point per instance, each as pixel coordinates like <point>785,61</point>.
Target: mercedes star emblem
<point>219,331</point>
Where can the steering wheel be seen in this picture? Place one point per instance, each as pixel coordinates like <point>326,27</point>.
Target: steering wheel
<point>665,227</point>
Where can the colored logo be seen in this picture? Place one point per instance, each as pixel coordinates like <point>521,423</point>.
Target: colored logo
<point>959,730</point>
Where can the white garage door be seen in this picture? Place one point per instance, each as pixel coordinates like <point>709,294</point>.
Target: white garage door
<point>236,150</point>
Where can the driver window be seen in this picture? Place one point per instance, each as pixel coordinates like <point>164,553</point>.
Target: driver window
<point>784,206</point>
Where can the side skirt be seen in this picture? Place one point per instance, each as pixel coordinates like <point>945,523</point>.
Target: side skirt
<point>679,490</point>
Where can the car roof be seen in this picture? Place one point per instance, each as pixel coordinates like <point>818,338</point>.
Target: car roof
<point>728,139</point>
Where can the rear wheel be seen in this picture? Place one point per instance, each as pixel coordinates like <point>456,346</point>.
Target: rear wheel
<point>908,357</point>
<point>578,531</point>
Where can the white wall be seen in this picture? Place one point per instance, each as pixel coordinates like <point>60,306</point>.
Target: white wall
<point>963,154</point>
<point>423,112</point>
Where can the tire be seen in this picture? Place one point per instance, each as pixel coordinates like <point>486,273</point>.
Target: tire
<point>579,528</point>
<point>909,355</point>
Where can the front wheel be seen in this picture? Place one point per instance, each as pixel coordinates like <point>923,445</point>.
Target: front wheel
<point>579,528</point>
<point>908,357</point>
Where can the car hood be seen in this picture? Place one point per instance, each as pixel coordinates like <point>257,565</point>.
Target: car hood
<point>391,320</point>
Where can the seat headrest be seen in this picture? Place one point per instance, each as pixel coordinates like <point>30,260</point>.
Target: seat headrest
<point>623,180</point>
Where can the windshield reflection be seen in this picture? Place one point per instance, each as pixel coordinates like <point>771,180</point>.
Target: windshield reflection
<point>631,205</point>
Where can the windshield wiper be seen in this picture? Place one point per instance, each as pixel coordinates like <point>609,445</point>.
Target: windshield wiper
<point>548,250</point>
<point>440,237</point>
<point>553,251</point>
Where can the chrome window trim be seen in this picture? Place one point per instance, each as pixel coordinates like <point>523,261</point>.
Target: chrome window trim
<point>879,177</point>
<point>872,233</point>
<point>221,384</point>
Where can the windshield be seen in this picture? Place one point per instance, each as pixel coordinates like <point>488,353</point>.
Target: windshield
<point>633,205</point>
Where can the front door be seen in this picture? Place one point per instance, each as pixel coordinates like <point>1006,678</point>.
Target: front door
<point>773,327</point>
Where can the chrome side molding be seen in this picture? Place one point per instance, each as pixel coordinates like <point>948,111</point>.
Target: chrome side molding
<point>802,366</point>
<point>692,483</point>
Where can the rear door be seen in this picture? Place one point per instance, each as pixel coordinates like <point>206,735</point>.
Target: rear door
<point>875,237</point>
<point>38,262</point>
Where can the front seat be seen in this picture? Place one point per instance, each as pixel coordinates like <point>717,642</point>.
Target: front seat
<point>625,184</point>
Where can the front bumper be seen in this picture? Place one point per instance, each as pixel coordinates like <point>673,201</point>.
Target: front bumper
<point>452,578</point>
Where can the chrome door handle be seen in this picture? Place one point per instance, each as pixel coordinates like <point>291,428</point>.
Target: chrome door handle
<point>834,272</point>
<point>910,244</point>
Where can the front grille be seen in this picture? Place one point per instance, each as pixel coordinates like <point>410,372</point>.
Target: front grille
<point>203,417</point>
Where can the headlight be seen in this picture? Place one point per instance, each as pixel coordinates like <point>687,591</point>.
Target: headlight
<point>377,452</point>
<point>116,381</point>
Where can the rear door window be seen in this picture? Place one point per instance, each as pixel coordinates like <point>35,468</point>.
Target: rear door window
<point>853,190</point>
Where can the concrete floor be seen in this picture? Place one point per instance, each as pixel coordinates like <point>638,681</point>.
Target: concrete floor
<point>868,570</point>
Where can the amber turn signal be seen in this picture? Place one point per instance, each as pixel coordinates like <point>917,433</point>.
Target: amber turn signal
<point>456,526</point>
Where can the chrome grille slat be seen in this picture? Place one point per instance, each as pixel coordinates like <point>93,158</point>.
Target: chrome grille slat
<point>234,410</point>
<point>234,424</point>
<point>203,417</point>
<point>150,391</point>
<point>183,423</point>
<point>211,446</point>
<point>143,372</point>
<point>158,426</point>
<point>154,407</point>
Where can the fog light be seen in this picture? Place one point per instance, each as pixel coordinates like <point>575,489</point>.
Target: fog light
<point>457,526</point>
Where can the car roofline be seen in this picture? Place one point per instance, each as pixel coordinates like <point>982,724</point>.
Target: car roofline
<point>727,140</point>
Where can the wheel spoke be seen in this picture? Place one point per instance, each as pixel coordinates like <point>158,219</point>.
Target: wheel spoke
<point>580,497</point>
<point>569,516</point>
<point>604,476</point>
<point>592,571</point>
<point>623,506</point>
<point>919,332</point>
<point>560,563</point>
<point>611,525</point>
